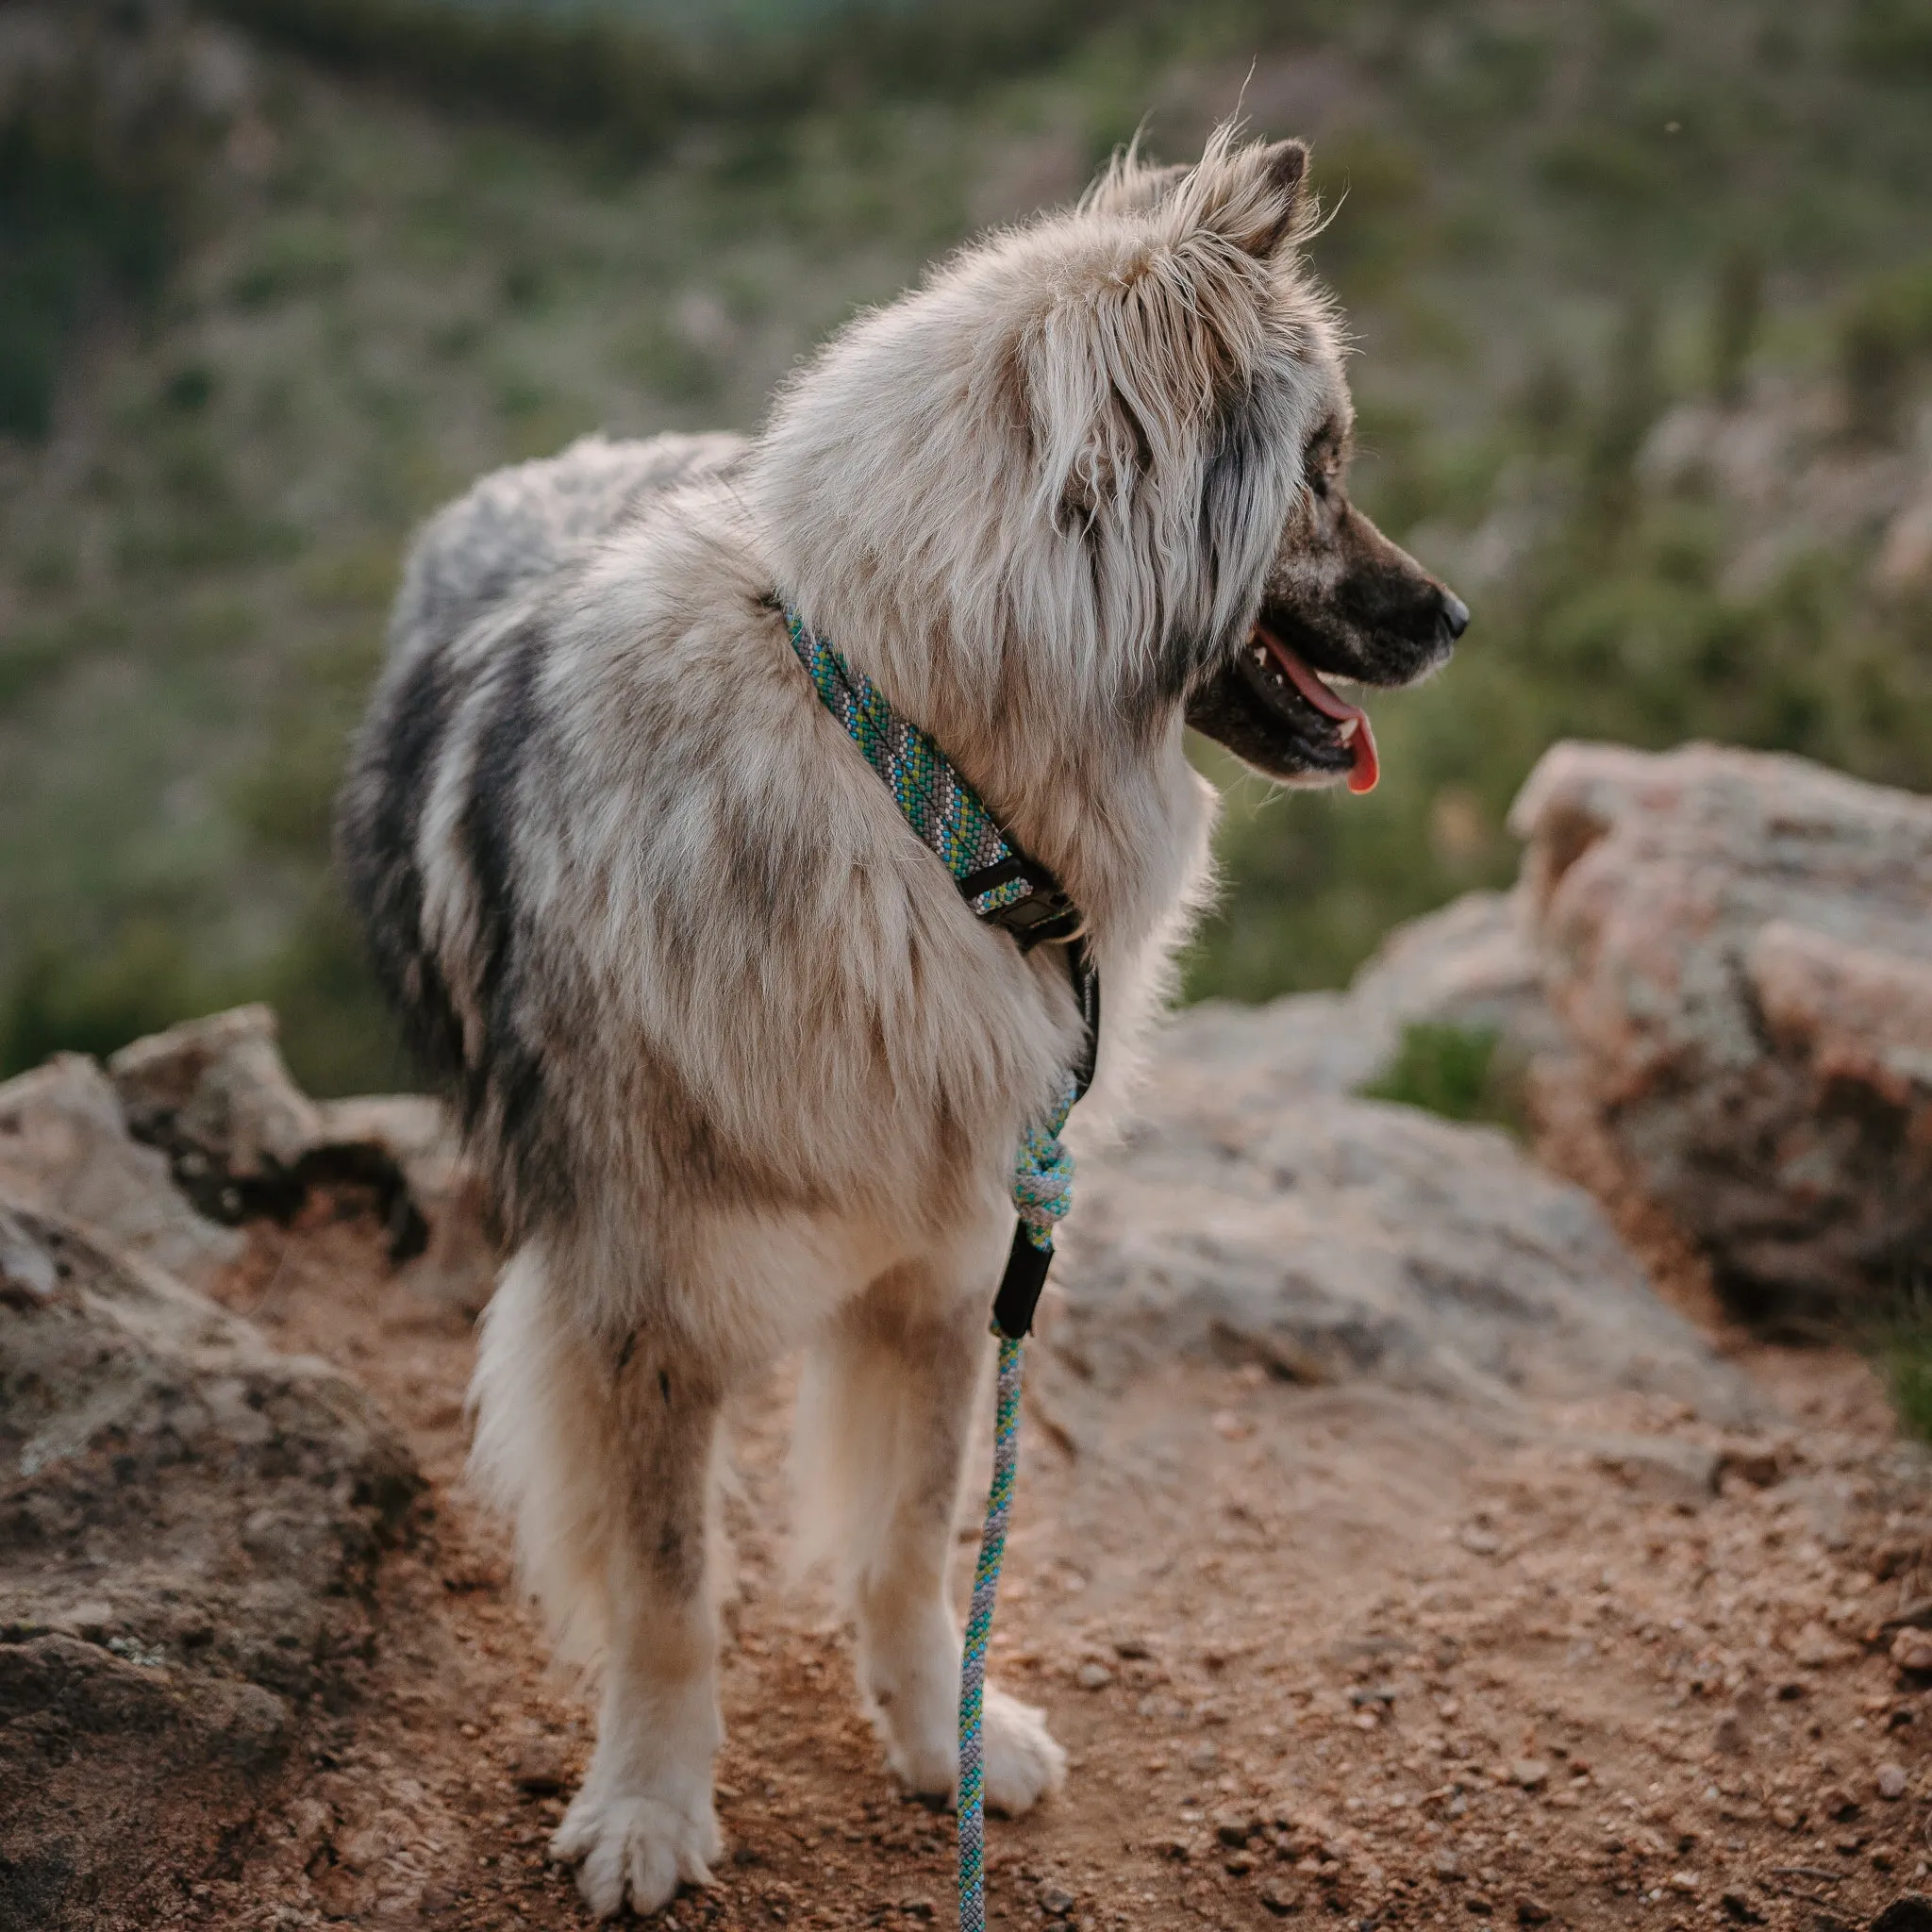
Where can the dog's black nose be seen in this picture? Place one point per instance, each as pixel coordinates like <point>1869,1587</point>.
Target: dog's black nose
<point>1455,615</point>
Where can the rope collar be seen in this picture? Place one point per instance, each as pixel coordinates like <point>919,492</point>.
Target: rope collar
<point>1004,888</point>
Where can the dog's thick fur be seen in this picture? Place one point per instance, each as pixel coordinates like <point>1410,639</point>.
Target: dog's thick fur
<point>743,1071</point>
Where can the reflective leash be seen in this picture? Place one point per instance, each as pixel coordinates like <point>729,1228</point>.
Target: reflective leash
<point>1007,889</point>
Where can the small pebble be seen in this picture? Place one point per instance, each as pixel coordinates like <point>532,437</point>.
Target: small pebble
<point>1532,1912</point>
<point>1912,1650</point>
<point>1233,1827</point>
<point>1891,1781</point>
<point>1093,1677</point>
<point>1280,1899</point>
<point>1532,1773</point>
<point>1056,1901</point>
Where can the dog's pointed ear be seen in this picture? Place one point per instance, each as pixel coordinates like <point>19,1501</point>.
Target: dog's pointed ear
<point>1256,196</point>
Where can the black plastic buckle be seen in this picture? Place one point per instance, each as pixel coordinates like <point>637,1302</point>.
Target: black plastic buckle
<point>1045,914</point>
<point>1020,1286</point>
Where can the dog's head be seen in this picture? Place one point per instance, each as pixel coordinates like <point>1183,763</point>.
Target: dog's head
<point>1095,472</point>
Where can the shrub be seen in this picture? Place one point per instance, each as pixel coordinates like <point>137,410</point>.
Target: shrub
<point>1445,1070</point>
<point>100,160</point>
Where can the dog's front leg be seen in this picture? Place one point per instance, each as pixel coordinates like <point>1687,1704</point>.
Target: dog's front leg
<point>893,1388</point>
<point>644,1821</point>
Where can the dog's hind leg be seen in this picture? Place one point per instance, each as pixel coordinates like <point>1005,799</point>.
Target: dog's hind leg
<point>885,1417</point>
<point>606,1457</point>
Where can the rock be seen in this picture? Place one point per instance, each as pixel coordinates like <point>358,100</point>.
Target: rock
<point>1055,1900</point>
<point>415,1135</point>
<point>1738,947</point>
<point>1234,1828</point>
<point>540,1765</point>
<point>1248,1219</point>
<point>189,1525</point>
<point>1662,1467</point>
<point>1093,1677</point>
<point>215,1096</point>
<point>65,1149</point>
<point>1531,1773</point>
<point>1532,1912</point>
<point>1761,1464</point>
<point>1815,1647</point>
<point>1891,1781</point>
<point>1910,1912</point>
<point>1834,1801</point>
<point>118,1782</point>
<point>1911,1651</point>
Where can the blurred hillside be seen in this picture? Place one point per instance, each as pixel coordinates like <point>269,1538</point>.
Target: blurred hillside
<point>1642,293</point>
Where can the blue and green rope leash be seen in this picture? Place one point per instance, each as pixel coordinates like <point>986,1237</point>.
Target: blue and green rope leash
<point>1007,889</point>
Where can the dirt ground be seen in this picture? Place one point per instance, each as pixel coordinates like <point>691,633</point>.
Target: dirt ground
<point>1316,1655</point>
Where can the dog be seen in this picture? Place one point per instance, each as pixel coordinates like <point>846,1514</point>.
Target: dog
<point>743,1069</point>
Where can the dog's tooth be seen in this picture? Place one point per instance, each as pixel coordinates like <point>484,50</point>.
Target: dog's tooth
<point>1345,730</point>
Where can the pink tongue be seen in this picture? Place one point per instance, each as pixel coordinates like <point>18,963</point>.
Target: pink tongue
<point>1368,767</point>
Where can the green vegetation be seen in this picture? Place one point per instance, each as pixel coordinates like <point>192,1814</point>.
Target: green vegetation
<point>1451,1071</point>
<point>249,334</point>
<point>94,193</point>
<point>1900,1345</point>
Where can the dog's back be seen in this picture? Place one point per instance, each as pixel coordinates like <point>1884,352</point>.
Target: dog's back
<point>460,661</point>
<point>518,524</point>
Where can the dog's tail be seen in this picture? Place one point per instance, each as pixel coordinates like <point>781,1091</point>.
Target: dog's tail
<point>539,1457</point>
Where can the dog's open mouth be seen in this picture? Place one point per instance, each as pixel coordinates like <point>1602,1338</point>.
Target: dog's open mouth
<point>1272,709</point>
<point>1280,663</point>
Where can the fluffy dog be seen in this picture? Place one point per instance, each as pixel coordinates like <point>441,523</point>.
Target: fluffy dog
<point>745,1071</point>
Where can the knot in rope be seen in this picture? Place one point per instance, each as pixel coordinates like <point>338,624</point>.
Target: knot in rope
<point>1043,1175</point>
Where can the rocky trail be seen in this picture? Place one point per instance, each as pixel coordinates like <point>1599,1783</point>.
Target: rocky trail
<point>1405,1538</point>
<point>1321,1651</point>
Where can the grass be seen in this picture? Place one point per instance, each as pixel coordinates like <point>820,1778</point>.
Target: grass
<point>1447,1070</point>
<point>1900,1345</point>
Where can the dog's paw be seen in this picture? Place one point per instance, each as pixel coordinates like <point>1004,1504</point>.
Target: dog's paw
<point>630,1844</point>
<point>1023,1761</point>
<point>925,1762</point>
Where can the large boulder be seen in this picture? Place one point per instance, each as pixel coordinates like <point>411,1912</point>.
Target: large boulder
<point>1251,1216</point>
<point>65,1148</point>
<point>189,1524</point>
<point>416,1135</point>
<point>243,1140</point>
<point>1738,949</point>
